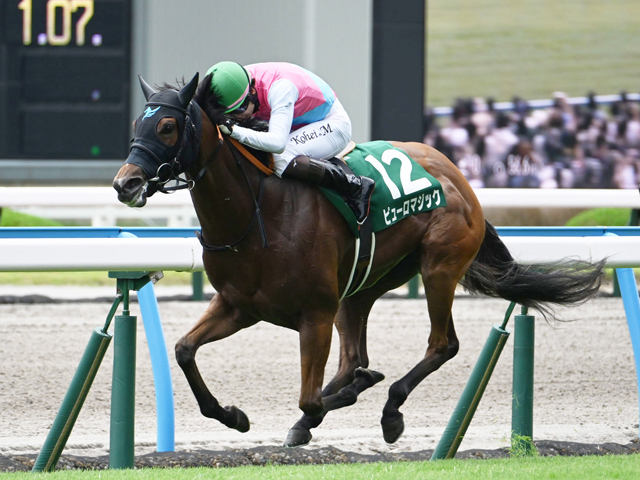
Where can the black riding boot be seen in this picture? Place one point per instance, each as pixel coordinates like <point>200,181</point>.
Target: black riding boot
<point>336,175</point>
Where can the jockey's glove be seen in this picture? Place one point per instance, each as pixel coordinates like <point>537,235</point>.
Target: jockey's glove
<point>226,127</point>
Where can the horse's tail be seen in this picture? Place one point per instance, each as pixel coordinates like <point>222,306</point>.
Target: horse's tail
<point>494,272</point>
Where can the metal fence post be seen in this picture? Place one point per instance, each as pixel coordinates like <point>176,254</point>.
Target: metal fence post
<point>121,444</point>
<point>473,391</point>
<point>523,367</point>
<point>73,401</point>
<point>76,395</point>
<point>414,285</point>
<point>197,285</point>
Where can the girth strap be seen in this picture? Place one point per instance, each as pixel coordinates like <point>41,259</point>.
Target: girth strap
<point>363,258</point>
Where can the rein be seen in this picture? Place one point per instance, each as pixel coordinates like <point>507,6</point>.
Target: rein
<point>257,213</point>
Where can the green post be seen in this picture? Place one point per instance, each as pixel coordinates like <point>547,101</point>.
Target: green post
<point>123,386</point>
<point>523,367</point>
<point>121,444</point>
<point>73,400</point>
<point>197,284</point>
<point>472,393</point>
<point>414,284</point>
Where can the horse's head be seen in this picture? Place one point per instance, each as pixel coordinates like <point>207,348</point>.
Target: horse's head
<point>165,143</point>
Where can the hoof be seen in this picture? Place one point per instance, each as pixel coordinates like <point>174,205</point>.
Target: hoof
<point>297,437</point>
<point>373,376</point>
<point>393,431</point>
<point>241,423</point>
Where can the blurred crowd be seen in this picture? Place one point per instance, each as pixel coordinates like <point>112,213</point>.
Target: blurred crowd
<point>564,146</point>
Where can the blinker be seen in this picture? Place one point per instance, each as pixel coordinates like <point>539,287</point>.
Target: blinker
<point>159,161</point>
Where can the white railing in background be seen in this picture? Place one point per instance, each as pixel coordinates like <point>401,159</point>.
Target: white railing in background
<point>99,206</point>
<point>511,198</point>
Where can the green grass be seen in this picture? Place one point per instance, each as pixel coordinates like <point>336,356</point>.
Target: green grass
<point>601,217</point>
<point>84,279</point>
<point>10,218</point>
<point>531,48</point>
<point>565,468</point>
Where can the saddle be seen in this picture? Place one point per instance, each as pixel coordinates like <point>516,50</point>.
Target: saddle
<point>348,149</point>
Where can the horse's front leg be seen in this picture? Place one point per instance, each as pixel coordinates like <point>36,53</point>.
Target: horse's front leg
<point>220,320</point>
<point>315,342</point>
<point>352,377</point>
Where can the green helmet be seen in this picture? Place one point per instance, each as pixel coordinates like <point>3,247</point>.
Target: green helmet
<point>230,83</point>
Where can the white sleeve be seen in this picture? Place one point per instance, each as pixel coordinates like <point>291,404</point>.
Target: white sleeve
<point>282,97</point>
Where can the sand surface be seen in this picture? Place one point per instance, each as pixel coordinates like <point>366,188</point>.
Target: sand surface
<point>585,379</point>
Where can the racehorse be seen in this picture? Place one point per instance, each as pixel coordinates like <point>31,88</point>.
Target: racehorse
<point>278,251</point>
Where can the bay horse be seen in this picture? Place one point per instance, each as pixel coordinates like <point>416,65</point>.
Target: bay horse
<point>278,251</point>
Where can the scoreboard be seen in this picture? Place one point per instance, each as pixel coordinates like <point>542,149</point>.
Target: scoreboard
<point>64,79</point>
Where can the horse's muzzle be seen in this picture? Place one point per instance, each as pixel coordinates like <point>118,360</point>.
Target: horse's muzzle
<point>130,186</point>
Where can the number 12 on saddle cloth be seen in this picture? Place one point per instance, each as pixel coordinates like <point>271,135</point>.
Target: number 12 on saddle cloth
<point>403,187</point>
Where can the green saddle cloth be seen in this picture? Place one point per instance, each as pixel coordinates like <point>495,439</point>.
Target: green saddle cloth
<point>403,187</point>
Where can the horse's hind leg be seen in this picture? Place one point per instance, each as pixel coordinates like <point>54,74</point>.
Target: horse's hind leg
<point>443,345</point>
<point>220,320</point>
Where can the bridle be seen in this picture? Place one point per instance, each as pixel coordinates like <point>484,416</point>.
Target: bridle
<point>169,162</point>
<point>175,169</point>
<point>171,171</point>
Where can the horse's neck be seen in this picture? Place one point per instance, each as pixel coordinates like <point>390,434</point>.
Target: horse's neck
<point>222,197</point>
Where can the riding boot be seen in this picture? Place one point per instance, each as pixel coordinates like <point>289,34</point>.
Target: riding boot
<point>336,175</point>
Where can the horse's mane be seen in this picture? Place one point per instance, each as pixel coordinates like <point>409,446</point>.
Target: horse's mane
<point>207,100</point>
<point>167,86</point>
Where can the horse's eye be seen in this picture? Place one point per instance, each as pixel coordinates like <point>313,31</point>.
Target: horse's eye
<point>168,128</point>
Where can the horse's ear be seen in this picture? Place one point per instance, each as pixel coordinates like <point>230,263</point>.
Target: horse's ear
<point>186,93</point>
<point>146,88</point>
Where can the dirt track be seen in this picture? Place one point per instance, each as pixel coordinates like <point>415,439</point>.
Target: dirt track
<point>585,388</point>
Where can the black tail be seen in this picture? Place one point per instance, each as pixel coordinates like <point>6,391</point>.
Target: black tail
<point>495,273</point>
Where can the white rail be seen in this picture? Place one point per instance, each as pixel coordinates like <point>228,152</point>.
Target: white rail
<point>100,254</point>
<point>619,252</point>
<point>185,254</point>
<point>557,198</point>
<point>100,206</point>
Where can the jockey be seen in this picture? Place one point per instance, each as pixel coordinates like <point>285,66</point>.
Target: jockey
<point>307,124</point>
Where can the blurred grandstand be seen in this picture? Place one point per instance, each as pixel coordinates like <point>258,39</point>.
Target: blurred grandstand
<point>586,142</point>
